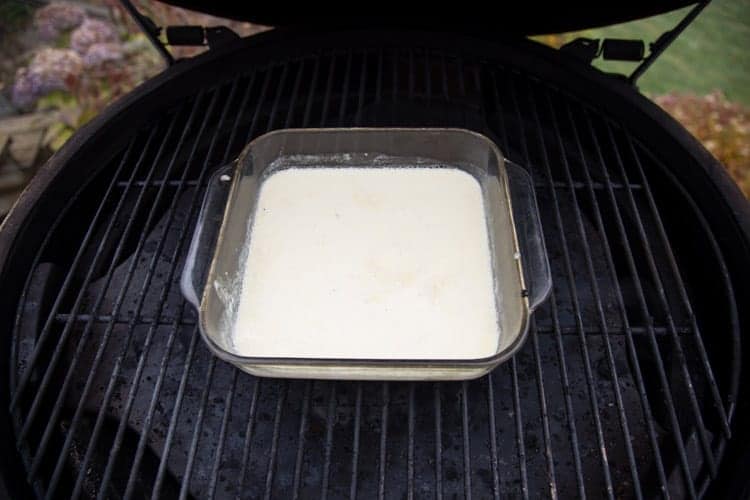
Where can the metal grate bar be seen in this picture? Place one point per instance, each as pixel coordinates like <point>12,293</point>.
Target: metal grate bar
<point>228,400</point>
<point>379,77</point>
<point>623,330</point>
<point>44,334</point>
<point>466,439</point>
<point>274,440</point>
<point>569,413</point>
<point>599,186</point>
<point>411,73</point>
<point>183,381</point>
<point>477,78</point>
<point>556,184</point>
<point>666,391</point>
<point>428,74</point>
<point>542,329</point>
<point>713,386</point>
<point>702,432</point>
<point>119,436</point>
<point>259,105</point>
<point>189,356</point>
<point>147,422</point>
<point>301,434</point>
<point>312,92</point>
<point>492,437</point>
<point>519,430</point>
<point>142,320</point>
<point>410,449</point>
<point>576,304</point>
<point>30,417</point>
<point>46,435</point>
<point>156,184</point>
<point>394,75</point>
<point>521,447</point>
<point>545,416</point>
<point>584,349</point>
<point>187,475</point>
<point>162,299</point>
<point>383,439</point>
<point>160,304</point>
<point>295,94</point>
<point>362,87</point>
<point>141,362</point>
<point>330,417</point>
<point>329,87</point>
<point>438,443</point>
<point>461,82</point>
<point>595,289</point>
<point>279,91</point>
<point>248,437</point>
<point>240,113</point>
<point>42,338</point>
<point>355,441</point>
<point>277,99</point>
<point>648,417</point>
<point>345,90</point>
<point>110,387</point>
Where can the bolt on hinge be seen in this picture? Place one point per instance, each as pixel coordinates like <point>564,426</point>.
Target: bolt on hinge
<point>199,35</point>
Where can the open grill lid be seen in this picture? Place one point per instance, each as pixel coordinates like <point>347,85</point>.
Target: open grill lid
<point>518,18</point>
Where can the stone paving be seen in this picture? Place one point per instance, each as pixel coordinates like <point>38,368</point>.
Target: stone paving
<point>22,151</point>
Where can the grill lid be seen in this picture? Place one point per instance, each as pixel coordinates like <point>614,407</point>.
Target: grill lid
<point>518,18</point>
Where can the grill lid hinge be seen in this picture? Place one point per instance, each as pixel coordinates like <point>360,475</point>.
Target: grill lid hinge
<point>150,29</point>
<point>614,49</point>
<point>212,36</point>
<point>658,47</point>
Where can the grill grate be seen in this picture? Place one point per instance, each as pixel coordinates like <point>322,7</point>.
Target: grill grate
<point>617,392</point>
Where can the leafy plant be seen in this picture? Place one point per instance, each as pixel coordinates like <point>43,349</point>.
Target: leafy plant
<point>722,126</point>
<point>13,15</point>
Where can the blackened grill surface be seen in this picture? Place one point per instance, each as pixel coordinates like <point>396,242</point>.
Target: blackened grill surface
<point>617,393</point>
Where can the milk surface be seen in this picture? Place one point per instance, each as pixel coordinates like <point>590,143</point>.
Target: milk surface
<point>375,263</point>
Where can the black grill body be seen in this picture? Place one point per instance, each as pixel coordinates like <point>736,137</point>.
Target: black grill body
<point>629,386</point>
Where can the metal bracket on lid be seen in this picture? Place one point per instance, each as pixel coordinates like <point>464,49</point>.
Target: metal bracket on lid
<point>150,29</point>
<point>211,36</point>
<point>613,49</point>
<point>665,40</point>
<point>199,35</point>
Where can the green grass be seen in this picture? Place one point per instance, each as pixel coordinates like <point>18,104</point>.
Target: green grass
<point>712,53</point>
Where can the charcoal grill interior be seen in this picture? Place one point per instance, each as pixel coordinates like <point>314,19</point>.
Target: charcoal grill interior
<point>626,387</point>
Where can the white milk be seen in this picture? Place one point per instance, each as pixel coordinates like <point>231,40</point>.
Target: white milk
<point>368,263</point>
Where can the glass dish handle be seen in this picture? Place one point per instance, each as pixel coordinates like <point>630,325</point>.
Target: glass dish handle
<point>534,260</point>
<point>206,231</point>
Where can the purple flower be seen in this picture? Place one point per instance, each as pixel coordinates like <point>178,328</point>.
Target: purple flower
<point>24,91</point>
<point>49,70</point>
<point>99,54</point>
<point>91,32</point>
<point>57,17</point>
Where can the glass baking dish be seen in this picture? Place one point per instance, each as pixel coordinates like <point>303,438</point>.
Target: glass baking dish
<point>213,276</point>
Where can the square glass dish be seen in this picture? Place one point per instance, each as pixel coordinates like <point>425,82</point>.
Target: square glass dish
<point>386,254</point>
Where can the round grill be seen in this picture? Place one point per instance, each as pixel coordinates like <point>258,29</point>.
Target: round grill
<point>625,387</point>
